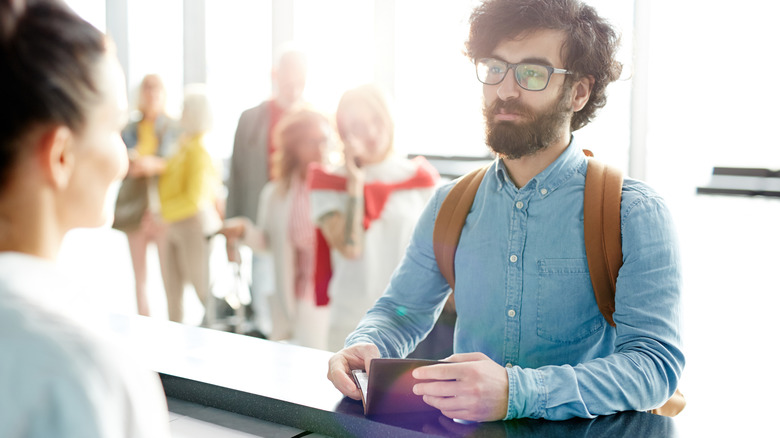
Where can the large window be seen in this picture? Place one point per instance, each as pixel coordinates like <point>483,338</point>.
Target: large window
<point>338,37</point>
<point>609,135</point>
<point>238,63</point>
<point>413,49</point>
<point>439,100</point>
<point>155,46</point>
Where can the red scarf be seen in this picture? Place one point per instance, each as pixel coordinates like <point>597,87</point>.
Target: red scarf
<point>375,195</point>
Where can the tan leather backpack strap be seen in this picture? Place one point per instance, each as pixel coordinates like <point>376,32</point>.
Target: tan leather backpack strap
<point>603,190</point>
<point>450,220</point>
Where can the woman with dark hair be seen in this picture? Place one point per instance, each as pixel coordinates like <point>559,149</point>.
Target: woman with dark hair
<point>284,228</point>
<point>62,107</point>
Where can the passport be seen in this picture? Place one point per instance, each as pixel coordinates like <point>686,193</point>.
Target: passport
<point>387,389</point>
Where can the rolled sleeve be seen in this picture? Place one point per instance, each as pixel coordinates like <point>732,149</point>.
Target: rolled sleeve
<point>526,393</point>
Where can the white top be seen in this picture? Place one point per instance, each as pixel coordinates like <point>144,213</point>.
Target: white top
<point>272,219</point>
<point>357,283</point>
<point>57,378</point>
<point>297,320</point>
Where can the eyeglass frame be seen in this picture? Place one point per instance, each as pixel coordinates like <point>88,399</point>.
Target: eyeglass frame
<point>509,66</point>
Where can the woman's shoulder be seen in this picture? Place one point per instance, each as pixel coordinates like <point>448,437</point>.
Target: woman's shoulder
<point>41,337</point>
<point>74,368</point>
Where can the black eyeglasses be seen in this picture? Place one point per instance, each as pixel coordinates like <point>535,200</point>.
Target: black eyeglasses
<point>531,77</point>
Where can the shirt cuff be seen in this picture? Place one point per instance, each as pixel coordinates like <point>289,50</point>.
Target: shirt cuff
<point>526,390</point>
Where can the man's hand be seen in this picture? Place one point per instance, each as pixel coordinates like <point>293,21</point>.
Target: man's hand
<point>472,388</point>
<point>340,366</point>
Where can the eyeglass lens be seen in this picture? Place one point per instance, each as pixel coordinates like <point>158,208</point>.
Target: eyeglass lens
<point>532,77</point>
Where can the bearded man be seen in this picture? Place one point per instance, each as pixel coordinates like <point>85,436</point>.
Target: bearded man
<point>530,340</point>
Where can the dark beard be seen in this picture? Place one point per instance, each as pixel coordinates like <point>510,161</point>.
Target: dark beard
<point>536,132</point>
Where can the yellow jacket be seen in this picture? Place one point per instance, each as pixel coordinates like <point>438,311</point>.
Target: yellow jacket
<point>189,181</point>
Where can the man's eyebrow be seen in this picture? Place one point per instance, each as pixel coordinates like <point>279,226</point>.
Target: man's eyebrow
<point>540,61</point>
<point>531,60</point>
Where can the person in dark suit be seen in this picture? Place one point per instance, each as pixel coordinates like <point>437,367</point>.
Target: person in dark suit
<point>252,150</point>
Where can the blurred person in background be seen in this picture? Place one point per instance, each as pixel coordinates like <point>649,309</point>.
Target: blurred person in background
<point>150,139</point>
<point>62,107</point>
<point>250,164</point>
<point>284,228</point>
<point>365,210</point>
<point>188,202</point>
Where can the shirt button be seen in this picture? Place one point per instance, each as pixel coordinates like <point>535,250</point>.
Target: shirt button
<point>543,191</point>
<point>509,364</point>
<point>513,258</point>
<point>511,313</point>
<point>519,204</point>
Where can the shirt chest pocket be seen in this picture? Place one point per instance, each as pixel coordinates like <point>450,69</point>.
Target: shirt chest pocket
<point>566,308</point>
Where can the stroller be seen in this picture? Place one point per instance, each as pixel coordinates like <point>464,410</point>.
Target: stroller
<point>231,308</point>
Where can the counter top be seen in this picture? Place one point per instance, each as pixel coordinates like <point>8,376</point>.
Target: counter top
<point>287,385</point>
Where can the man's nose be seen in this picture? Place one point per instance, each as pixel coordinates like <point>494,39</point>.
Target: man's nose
<point>508,88</point>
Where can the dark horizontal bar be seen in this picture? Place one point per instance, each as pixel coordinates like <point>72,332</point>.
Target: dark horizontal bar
<point>453,157</point>
<point>451,167</point>
<point>735,192</point>
<point>347,421</point>
<point>746,171</point>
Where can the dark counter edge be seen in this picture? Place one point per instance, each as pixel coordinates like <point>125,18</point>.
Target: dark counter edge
<point>735,192</point>
<point>334,424</point>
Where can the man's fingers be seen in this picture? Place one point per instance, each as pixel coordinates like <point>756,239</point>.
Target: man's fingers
<point>341,364</point>
<point>437,372</point>
<point>347,386</point>
<point>452,407</point>
<point>437,389</point>
<point>466,357</point>
<point>339,375</point>
<point>448,371</point>
<point>361,356</point>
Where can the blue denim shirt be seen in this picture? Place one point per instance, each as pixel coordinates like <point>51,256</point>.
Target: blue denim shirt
<point>524,297</point>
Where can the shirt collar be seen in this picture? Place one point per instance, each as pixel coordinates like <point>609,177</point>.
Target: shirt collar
<point>501,174</point>
<point>547,181</point>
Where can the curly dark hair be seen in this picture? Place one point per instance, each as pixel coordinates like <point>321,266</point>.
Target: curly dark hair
<point>589,50</point>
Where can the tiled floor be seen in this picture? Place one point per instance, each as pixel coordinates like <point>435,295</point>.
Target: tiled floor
<point>730,304</point>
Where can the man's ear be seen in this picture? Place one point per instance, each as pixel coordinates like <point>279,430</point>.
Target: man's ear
<point>56,156</point>
<point>581,92</point>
